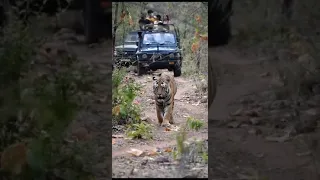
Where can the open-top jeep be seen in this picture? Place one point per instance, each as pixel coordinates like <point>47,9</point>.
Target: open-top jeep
<point>159,48</point>
<point>125,54</point>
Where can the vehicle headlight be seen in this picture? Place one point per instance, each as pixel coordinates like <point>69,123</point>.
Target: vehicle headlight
<point>171,55</point>
<point>178,55</point>
<point>144,56</point>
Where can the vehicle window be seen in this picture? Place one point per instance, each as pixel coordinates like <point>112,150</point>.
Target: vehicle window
<point>159,38</point>
<point>132,37</point>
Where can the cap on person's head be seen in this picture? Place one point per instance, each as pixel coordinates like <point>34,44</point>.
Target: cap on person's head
<point>150,11</point>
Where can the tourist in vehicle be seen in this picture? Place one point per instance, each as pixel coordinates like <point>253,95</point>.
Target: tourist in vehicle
<point>166,20</point>
<point>143,21</point>
<point>158,20</point>
<point>151,17</point>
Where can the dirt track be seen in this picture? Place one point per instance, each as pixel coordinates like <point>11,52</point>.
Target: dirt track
<point>241,150</point>
<point>185,105</point>
<point>236,151</point>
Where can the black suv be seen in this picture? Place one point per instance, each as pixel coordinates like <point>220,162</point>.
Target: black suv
<point>159,48</point>
<point>125,54</point>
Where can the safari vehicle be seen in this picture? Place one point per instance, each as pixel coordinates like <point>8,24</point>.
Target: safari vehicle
<point>125,54</point>
<point>159,48</point>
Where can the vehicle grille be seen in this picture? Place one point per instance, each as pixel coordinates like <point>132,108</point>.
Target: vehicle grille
<point>127,54</point>
<point>158,57</point>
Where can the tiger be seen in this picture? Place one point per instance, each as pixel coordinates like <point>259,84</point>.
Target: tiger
<point>164,89</point>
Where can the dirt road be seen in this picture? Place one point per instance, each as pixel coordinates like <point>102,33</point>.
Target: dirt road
<point>238,150</point>
<point>187,104</point>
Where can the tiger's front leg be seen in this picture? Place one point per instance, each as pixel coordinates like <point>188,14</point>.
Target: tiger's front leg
<point>168,118</point>
<point>159,115</point>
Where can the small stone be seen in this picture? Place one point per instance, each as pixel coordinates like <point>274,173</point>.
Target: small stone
<point>252,113</point>
<point>147,119</point>
<point>312,112</point>
<point>255,131</point>
<point>234,124</point>
<point>162,159</point>
<point>266,74</point>
<point>204,99</point>
<point>238,112</point>
<point>256,120</point>
<point>134,171</point>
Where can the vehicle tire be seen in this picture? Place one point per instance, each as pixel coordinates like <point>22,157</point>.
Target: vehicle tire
<point>177,71</point>
<point>141,70</point>
<point>90,18</point>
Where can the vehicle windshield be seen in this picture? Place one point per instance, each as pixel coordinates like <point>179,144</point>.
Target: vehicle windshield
<point>159,38</point>
<point>132,37</point>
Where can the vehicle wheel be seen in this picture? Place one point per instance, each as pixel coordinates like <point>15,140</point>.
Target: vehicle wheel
<point>177,71</point>
<point>135,69</point>
<point>90,22</point>
<point>140,70</point>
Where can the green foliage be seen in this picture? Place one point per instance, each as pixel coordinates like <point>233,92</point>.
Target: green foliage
<point>194,124</point>
<point>124,92</point>
<point>204,156</point>
<point>140,131</point>
<point>39,107</point>
<point>183,148</point>
<point>181,137</point>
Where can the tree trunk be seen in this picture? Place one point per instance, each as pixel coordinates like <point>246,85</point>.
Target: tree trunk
<point>115,22</point>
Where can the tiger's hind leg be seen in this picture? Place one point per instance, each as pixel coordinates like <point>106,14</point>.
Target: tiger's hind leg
<point>171,119</point>
<point>168,119</point>
<point>171,114</point>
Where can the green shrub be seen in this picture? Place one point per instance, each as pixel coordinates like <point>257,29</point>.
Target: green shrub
<point>39,107</point>
<point>124,92</point>
<point>140,131</point>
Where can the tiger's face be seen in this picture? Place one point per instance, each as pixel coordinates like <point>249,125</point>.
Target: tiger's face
<point>161,87</point>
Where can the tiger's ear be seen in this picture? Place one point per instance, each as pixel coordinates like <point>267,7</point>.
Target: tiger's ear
<point>156,77</point>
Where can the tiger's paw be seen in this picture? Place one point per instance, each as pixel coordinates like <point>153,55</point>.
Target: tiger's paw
<point>167,124</point>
